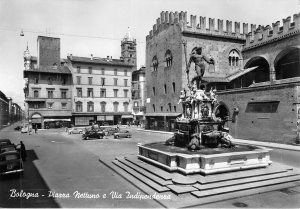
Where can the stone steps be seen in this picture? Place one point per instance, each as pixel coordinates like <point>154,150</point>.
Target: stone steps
<point>193,190</point>
<point>141,177</point>
<point>246,180</point>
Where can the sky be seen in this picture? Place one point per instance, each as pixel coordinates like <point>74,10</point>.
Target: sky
<point>97,27</point>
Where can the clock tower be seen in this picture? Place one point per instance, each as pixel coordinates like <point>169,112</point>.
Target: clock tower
<point>128,49</point>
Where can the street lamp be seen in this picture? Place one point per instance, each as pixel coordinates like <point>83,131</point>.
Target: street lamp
<point>22,33</point>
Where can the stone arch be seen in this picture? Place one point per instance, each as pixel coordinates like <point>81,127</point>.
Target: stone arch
<point>287,63</point>
<point>222,111</point>
<point>260,74</point>
<point>36,120</point>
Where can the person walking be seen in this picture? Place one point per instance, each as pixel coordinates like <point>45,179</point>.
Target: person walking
<point>35,129</point>
<point>23,151</point>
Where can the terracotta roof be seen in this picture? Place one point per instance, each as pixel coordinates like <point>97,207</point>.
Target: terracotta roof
<point>98,60</point>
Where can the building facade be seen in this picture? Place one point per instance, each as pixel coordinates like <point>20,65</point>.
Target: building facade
<point>102,87</point>
<point>255,69</point>
<point>48,89</point>
<point>10,112</point>
<point>139,95</point>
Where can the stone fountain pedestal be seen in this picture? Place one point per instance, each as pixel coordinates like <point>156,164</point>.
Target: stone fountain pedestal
<point>205,161</point>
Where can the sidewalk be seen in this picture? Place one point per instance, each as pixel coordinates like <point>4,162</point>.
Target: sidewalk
<point>244,141</point>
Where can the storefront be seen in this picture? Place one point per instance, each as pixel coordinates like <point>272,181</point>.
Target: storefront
<point>127,119</point>
<point>56,123</point>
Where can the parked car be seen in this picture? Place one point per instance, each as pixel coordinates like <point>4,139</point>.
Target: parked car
<point>93,134</point>
<point>10,162</point>
<point>24,129</point>
<point>5,142</point>
<point>17,128</point>
<point>109,130</point>
<point>7,148</point>
<point>75,131</point>
<point>123,133</point>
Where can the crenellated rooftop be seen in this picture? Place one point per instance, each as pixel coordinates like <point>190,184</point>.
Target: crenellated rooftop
<point>263,35</point>
<point>198,25</point>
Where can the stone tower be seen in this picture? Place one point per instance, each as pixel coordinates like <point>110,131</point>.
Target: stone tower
<point>27,58</point>
<point>128,49</point>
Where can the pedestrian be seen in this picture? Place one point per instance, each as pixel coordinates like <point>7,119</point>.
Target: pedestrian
<point>35,128</point>
<point>23,151</point>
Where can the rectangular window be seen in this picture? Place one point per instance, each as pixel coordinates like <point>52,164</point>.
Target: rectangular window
<point>36,106</point>
<point>90,80</point>
<point>50,105</point>
<point>78,69</point>
<point>90,70</point>
<point>115,72</point>
<point>103,93</point>
<point>102,71</point>
<point>63,105</point>
<point>63,94</point>
<point>125,93</point>
<point>102,81</point>
<point>103,104</point>
<point>36,94</point>
<point>90,107</point>
<point>50,94</point>
<point>90,92</point>
<point>262,107</point>
<point>115,81</point>
<point>115,92</point>
<point>116,106</point>
<point>125,82</point>
<point>78,79</point>
<point>78,107</point>
<point>125,72</point>
<point>36,80</point>
<point>79,92</point>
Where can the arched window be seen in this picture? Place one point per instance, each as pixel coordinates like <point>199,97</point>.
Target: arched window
<point>168,58</point>
<point>154,63</point>
<point>234,58</point>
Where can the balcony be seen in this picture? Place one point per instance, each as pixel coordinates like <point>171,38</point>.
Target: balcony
<point>31,99</point>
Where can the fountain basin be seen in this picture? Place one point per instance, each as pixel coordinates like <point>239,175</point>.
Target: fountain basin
<point>204,161</point>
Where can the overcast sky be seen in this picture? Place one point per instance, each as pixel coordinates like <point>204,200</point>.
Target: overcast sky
<point>99,26</point>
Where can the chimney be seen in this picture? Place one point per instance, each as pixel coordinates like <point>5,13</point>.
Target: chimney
<point>92,57</point>
<point>71,56</point>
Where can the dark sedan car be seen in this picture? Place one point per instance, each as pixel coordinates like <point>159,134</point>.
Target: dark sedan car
<point>93,134</point>
<point>123,133</point>
<point>4,142</point>
<point>10,162</point>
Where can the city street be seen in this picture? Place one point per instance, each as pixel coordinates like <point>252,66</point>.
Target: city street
<point>64,171</point>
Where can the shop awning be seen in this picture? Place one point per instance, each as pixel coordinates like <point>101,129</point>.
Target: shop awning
<point>109,117</point>
<point>127,116</point>
<point>100,118</point>
<point>49,120</point>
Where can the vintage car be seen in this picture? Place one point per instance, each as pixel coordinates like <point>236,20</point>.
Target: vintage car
<point>17,128</point>
<point>5,142</point>
<point>92,134</point>
<point>7,148</point>
<point>109,130</point>
<point>123,133</point>
<point>24,129</point>
<point>75,131</point>
<point>10,162</point>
